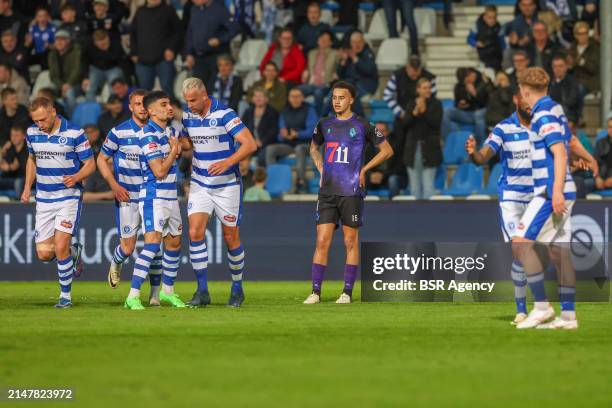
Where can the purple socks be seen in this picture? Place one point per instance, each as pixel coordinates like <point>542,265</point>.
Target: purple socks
<point>350,276</point>
<point>317,277</point>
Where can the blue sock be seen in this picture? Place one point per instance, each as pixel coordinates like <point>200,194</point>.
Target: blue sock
<point>235,258</point>
<point>64,274</point>
<point>119,256</point>
<point>170,266</point>
<point>198,254</point>
<point>520,286</point>
<point>155,270</point>
<point>142,264</point>
<point>567,297</point>
<point>536,284</point>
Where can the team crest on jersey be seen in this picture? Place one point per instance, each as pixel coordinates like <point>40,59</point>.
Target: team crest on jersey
<point>66,224</point>
<point>36,233</point>
<point>63,140</point>
<point>190,205</point>
<point>127,229</point>
<point>352,132</point>
<point>328,130</point>
<point>213,122</point>
<point>511,225</point>
<point>162,222</point>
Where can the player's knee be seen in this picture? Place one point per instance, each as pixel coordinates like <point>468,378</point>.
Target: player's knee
<point>231,238</point>
<point>520,248</point>
<point>45,255</point>
<point>350,243</point>
<point>128,248</point>
<point>196,232</point>
<point>323,242</point>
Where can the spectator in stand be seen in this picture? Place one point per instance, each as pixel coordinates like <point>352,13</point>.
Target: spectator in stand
<point>423,147</point>
<point>244,16</point>
<point>565,90</point>
<point>584,59</point>
<point>487,38</point>
<point>470,103</point>
<point>76,28</point>
<point>258,191</point>
<point>542,49</point>
<point>155,38</point>
<point>401,88</point>
<point>41,37</point>
<point>520,62</point>
<point>65,68</point>
<point>377,178</point>
<point>262,121</point>
<point>554,26</point>
<point>209,33</point>
<point>15,56</point>
<point>603,154</point>
<point>500,104</point>
<point>120,88</point>
<point>51,95</point>
<point>14,156</point>
<point>287,55</point>
<point>226,86</point>
<point>9,78</point>
<point>12,114</point>
<point>274,87</point>
<point>296,123</point>
<point>309,33</point>
<point>406,8</point>
<point>114,115</point>
<point>582,175</point>
<point>102,19</point>
<point>95,188</point>
<point>104,58</point>
<point>519,29</point>
<point>11,20</point>
<point>357,65</point>
<point>322,63</point>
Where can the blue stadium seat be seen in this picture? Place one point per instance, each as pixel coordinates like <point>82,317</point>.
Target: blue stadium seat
<point>454,147</point>
<point>290,160</point>
<point>279,179</point>
<point>604,193</point>
<point>86,113</point>
<point>466,180</point>
<point>8,193</point>
<point>330,5</point>
<point>313,184</point>
<point>367,6</point>
<point>440,180</point>
<point>497,2</point>
<point>382,193</point>
<point>378,104</point>
<point>447,103</point>
<point>491,187</point>
<point>382,115</point>
<point>601,134</point>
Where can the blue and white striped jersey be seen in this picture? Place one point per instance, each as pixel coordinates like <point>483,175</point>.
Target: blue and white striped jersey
<point>213,140</point>
<point>123,145</point>
<point>512,140</point>
<point>154,145</point>
<point>549,126</point>
<point>57,155</point>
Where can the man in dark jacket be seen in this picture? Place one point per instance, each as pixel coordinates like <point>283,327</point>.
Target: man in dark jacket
<point>66,68</point>
<point>309,33</point>
<point>209,32</point>
<point>11,114</point>
<point>422,146</point>
<point>155,38</point>
<point>603,154</point>
<point>565,90</point>
<point>226,86</point>
<point>357,65</point>
<point>13,54</point>
<point>262,121</point>
<point>104,58</point>
<point>487,38</point>
<point>542,50</point>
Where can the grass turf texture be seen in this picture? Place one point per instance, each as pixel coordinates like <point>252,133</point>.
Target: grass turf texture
<point>277,352</point>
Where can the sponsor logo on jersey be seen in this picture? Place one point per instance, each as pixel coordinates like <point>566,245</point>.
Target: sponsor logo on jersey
<point>66,224</point>
<point>152,145</point>
<point>521,226</point>
<point>180,227</point>
<point>230,218</point>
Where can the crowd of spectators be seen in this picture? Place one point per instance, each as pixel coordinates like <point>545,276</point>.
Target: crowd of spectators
<point>101,50</point>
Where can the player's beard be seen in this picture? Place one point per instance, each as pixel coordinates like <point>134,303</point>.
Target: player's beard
<point>524,115</point>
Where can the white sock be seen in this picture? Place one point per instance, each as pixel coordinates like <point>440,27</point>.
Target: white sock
<point>134,292</point>
<point>155,292</point>
<point>568,315</point>
<point>168,290</point>
<point>65,295</point>
<point>541,305</point>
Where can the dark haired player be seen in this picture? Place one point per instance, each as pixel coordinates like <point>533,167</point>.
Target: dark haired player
<point>343,138</point>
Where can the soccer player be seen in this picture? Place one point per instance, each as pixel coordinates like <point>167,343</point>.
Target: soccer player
<point>122,147</point>
<point>341,196</point>
<point>212,130</point>
<point>59,159</point>
<point>547,216</point>
<point>158,205</point>
<point>515,186</point>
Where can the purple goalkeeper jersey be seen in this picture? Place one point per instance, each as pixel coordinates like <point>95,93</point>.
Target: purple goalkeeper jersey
<point>344,143</point>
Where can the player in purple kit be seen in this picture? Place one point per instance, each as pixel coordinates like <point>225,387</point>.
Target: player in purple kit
<point>343,138</point>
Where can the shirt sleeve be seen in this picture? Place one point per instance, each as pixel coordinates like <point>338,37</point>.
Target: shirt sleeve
<point>317,134</point>
<point>233,124</point>
<point>111,144</point>
<point>83,149</point>
<point>29,144</point>
<point>182,130</point>
<point>550,129</point>
<point>495,139</point>
<point>151,147</point>
<point>373,135</point>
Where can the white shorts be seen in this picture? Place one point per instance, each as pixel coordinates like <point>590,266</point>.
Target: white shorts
<point>161,216</point>
<point>61,216</point>
<point>127,217</point>
<point>510,213</point>
<point>540,224</point>
<point>226,202</point>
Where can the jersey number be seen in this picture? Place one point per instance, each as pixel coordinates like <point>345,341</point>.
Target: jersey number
<point>336,153</point>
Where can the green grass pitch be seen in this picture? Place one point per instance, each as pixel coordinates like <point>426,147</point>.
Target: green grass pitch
<point>274,351</point>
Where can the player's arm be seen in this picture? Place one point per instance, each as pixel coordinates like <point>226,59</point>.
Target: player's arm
<point>481,156</point>
<point>577,150</point>
<point>315,147</point>
<point>30,176</point>
<point>560,165</point>
<point>103,161</point>
<point>161,166</point>
<point>247,148</point>
<point>385,151</point>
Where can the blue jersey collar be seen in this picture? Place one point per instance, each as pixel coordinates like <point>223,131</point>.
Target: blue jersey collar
<point>155,126</point>
<point>134,125</point>
<point>539,103</point>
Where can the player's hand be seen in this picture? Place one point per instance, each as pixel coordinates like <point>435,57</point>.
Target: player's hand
<point>558,202</point>
<point>25,196</point>
<point>121,194</point>
<point>70,181</point>
<point>174,144</point>
<point>169,55</point>
<point>470,145</point>
<point>214,42</point>
<point>219,167</point>
<point>594,167</point>
<point>362,175</point>
<point>189,61</point>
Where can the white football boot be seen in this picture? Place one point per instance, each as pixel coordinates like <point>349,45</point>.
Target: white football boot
<point>537,317</point>
<point>312,299</point>
<point>344,299</point>
<point>559,324</point>
<point>518,318</point>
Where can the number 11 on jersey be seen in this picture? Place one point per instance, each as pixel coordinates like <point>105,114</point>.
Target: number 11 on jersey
<point>336,153</point>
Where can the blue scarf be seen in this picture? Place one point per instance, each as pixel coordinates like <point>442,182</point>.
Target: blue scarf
<point>223,93</point>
